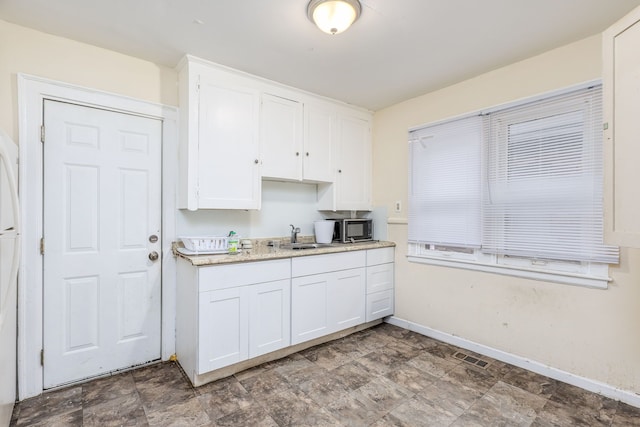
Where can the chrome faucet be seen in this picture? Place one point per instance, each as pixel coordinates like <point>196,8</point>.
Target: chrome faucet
<point>294,233</point>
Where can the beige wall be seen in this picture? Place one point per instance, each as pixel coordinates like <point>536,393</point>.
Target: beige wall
<point>23,50</point>
<point>591,333</point>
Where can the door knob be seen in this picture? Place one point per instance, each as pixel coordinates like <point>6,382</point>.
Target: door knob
<point>153,256</point>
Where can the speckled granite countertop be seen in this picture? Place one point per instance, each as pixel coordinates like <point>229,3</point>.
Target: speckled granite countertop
<point>261,252</point>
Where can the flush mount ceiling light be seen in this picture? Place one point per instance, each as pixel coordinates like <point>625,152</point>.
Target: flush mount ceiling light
<point>333,16</point>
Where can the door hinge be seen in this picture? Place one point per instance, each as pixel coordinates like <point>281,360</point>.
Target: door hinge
<point>42,357</point>
<point>42,133</point>
<point>42,246</point>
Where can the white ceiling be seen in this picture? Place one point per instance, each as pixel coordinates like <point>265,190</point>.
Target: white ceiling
<point>398,49</point>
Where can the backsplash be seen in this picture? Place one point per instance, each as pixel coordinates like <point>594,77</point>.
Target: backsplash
<point>283,203</point>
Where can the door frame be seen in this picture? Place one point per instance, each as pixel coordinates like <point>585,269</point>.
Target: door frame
<point>32,91</point>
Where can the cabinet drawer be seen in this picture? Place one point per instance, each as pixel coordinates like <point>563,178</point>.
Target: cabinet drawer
<point>380,256</point>
<point>379,278</point>
<point>228,276</point>
<point>316,264</point>
<point>379,305</point>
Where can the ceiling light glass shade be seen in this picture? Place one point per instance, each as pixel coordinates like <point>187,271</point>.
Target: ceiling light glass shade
<point>333,16</point>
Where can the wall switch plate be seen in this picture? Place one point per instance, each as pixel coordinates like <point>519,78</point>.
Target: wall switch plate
<point>398,206</point>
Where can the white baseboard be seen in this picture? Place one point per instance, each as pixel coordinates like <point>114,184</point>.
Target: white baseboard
<point>594,386</point>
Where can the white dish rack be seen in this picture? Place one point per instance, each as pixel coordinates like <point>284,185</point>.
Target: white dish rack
<point>205,244</point>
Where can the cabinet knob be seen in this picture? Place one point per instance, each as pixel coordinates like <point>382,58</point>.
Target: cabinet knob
<point>297,153</point>
<point>307,154</point>
<point>256,161</point>
<point>339,170</point>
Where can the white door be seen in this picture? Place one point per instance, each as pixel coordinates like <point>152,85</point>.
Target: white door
<point>102,222</point>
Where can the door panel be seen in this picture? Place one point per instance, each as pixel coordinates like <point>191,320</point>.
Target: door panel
<point>81,218</point>
<point>81,309</point>
<point>102,201</point>
<point>133,304</point>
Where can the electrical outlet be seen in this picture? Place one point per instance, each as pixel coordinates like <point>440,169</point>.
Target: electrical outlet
<point>398,206</point>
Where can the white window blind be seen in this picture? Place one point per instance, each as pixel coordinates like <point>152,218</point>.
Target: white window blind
<point>544,169</point>
<point>444,183</point>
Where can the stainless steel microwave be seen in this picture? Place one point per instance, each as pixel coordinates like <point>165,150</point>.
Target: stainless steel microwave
<point>353,230</point>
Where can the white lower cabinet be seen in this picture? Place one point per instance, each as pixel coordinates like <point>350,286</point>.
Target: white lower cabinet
<point>346,305</point>
<point>269,317</point>
<point>230,313</point>
<point>327,294</point>
<point>309,307</point>
<point>223,328</point>
<point>380,283</point>
<point>243,322</point>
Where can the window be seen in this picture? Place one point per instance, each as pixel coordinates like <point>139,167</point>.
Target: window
<point>516,190</point>
<point>445,184</point>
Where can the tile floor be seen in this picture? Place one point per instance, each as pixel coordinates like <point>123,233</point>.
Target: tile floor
<point>383,376</point>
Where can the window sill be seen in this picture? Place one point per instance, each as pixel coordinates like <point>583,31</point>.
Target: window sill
<point>526,273</point>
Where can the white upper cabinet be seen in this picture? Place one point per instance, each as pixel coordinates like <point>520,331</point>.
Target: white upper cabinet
<point>354,163</point>
<point>352,188</point>
<point>281,138</point>
<point>621,72</point>
<point>237,129</point>
<point>219,151</point>
<point>296,140</point>
<point>319,141</point>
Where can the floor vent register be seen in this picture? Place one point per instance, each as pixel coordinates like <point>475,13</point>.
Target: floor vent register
<point>470,359</point>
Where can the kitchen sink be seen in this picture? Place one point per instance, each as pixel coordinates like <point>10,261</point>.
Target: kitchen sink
<point>305,245</point>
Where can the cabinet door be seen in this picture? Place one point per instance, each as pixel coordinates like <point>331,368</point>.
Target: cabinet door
<point>269,317</point>
<point>353,181</point>
<point>281,138</point>
<point>346,301</point>
<point>621,73</point>
<point>319,134</point>
<point>351,186</point>
<point>222,328</point>
<point>228,163</point>
<point>309,307</point>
